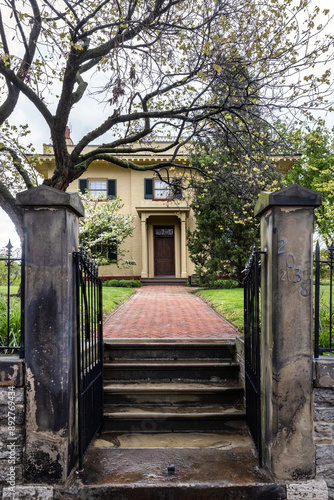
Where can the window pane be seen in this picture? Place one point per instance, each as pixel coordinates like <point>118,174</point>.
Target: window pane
<point>97,187</point>
<point>164,231</point>
<point>161,189</point>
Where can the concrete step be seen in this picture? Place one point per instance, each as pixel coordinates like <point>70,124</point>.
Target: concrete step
<point>147,418</point>
<point>157,349</point>
<point>172,393</point>
<point>167,280</point>
<point>212,466</point>
<point>172,386</point>
<point>171,370</point>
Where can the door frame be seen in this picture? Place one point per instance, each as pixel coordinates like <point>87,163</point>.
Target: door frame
<point>163,226</point>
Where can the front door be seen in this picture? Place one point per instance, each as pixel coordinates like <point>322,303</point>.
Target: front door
<point>164,255</point>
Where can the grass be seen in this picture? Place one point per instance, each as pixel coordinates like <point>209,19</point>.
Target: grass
<point>324,318</point>
<point>228,303</point>
<point>14,317</point>
<point>13,290</point>
<point>113,297</point>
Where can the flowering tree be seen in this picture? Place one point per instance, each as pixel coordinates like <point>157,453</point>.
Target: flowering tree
<point>103,229</point>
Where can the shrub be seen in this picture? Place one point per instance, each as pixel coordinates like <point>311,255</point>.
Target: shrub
<point>226,284</point>
<point>123,283</point>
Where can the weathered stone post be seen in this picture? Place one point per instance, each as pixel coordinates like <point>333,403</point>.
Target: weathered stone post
<point>286,334</point>
<point>51,236</point>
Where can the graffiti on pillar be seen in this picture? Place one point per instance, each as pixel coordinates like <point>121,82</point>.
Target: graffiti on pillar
<point>293,273</point>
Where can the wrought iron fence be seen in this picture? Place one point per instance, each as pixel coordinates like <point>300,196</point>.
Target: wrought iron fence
<point>11,301</point>
<point>323,301</point>
<point>252,332</point>
<point>89,350</point>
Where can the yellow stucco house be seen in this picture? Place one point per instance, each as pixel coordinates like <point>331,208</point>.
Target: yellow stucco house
<point>162,217</point>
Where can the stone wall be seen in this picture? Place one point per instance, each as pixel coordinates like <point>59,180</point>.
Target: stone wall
<point>324,420</point>
<point>12,421</point>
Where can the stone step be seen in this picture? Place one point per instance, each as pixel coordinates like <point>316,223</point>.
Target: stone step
<point>179,418</point>
<point>135,467</point>
<point>180,350</point>
<point>172,393</point>
<point>168,280</point>
<point>172,491</point>
<point>171,370</point>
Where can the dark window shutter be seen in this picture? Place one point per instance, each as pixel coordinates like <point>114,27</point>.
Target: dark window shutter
<point>111,188</point>
<point>83,185</point>
<point>149,189</point>
<point>177,189</point>
<point>112,251</point>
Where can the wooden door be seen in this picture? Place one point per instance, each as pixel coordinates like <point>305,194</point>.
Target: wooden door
<point>164,254</point>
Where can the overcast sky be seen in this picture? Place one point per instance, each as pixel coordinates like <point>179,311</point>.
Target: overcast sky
<point>81,122</point>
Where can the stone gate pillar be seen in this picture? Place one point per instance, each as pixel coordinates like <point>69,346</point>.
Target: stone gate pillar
<point>286,331</point>
<point>51,236</point>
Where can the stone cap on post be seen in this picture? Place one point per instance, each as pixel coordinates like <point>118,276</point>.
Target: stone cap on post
<point>46,196</point>
<point>291,196</point>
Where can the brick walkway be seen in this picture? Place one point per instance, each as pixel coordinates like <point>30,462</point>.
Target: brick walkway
<point>166,312</point>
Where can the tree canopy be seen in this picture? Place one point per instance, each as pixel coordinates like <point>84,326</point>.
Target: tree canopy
<point>223,204</point>
<point>315,170</point>
<point>152,65</point>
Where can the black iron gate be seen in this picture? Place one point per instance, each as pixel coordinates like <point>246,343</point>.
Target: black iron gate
<point>252,328</point>
<point>12,301</point>
<point>89,350</point>
<point>323,302</point>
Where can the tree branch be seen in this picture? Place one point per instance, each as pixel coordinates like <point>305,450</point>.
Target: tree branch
<point>17,162</point>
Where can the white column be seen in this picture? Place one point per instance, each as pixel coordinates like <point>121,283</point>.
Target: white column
<point>144,256</point>
<point>183,247</point>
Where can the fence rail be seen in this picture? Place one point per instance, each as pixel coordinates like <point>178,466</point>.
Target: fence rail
<point>252,331</point>
<point>11,302</point>
<point>323,301</point>
<point>89,349</point>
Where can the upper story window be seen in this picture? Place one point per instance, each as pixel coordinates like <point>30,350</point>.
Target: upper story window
<point>104,188</point>
<point>98,188</point>
<point>160,190</point>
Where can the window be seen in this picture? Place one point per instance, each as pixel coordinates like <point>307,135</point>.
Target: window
<point>112,251</point>
<point>161,190</point>
<point>108,252</point>
<point>98,188</point>
<point>164,231</point>
<point>106,188</point>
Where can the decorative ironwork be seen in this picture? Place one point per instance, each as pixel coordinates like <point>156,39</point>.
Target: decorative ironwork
<point>12,302</point>
<point>163,231</point>
<point>323,309</point>
<point>89,350</point>
<point>252,332</point>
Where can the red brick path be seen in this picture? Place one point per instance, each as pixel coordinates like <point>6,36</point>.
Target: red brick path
<point>166,312</point>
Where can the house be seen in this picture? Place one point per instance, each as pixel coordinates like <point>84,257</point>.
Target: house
<point>162,215</point>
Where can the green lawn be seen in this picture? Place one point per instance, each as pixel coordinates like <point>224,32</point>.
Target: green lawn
<point>113,297</point>
<point>3,290</point>
<point>228,303</point>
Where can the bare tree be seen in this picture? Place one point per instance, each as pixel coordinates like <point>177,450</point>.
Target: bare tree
<point>152,65</point>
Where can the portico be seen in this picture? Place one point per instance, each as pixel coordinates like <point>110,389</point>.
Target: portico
<point>163,241</point>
